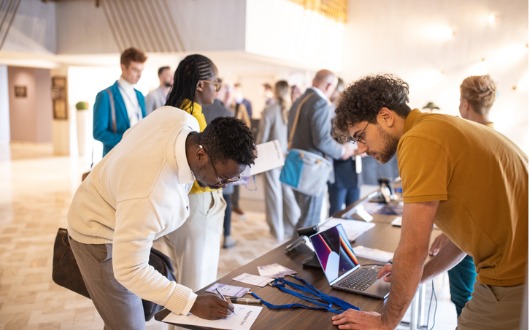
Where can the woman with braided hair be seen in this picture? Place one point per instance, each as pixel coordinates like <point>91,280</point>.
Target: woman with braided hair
<point>195,246</point>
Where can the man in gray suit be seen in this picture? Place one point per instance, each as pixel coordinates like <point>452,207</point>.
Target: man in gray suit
<point>313,133</point>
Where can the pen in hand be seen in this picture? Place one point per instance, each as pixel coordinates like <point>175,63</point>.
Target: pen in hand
<point>220,295</point>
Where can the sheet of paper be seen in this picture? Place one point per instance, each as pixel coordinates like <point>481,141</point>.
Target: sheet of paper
<point>228,290</point>
<point>270,155</point>
<point>353,228</point>
<point>242,319</point>
<point>396,222</point>
<point>373,254</point>
<point>253,279</point>
<point>275,271</point>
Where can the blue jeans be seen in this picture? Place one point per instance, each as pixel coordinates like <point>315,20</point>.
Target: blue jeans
<point>339,198</point>
<point>461,282</point>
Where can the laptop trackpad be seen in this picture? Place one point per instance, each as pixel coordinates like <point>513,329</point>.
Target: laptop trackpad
<point>379,288</point>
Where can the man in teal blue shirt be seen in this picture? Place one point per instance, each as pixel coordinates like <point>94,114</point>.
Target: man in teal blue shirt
<point>120,106</point>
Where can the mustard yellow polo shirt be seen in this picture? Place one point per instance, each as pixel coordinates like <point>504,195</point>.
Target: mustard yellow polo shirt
<point>480,178</point>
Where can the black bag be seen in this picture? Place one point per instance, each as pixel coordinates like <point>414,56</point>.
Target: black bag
<point>66,273</point>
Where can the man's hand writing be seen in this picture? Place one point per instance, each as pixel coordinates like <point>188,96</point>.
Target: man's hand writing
<point>211,307</point>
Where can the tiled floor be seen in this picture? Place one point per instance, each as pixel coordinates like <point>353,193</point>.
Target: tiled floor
<point>35,192</point>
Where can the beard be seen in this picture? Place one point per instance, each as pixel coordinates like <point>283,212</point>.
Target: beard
<point>390,147</point>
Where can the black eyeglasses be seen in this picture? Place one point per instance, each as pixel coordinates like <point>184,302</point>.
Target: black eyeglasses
<point>219,180</point>
<point>216,84</point>
<point>360,136</point>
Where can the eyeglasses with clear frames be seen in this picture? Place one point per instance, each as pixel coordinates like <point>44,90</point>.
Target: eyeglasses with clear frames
<point>219,180</point>
<point>215,83</point>
<point>360,136</point>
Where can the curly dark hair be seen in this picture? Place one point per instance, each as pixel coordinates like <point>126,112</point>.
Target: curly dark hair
<point>189,71</point>
<point>229,138</point>
<point>362,101</point>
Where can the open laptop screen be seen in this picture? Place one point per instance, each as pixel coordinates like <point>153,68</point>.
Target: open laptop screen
<point>334,252</point>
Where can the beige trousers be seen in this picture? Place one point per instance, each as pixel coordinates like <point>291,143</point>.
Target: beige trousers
<point>195,246</point>
<point>493,307</point>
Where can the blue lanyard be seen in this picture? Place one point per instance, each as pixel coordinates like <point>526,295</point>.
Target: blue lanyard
<point>313,295</point>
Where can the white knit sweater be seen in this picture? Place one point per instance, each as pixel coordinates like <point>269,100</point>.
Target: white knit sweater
<point>136,194</point>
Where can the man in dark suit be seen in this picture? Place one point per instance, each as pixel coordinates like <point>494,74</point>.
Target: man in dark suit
<point>313,134</point>
<point>120,106</point>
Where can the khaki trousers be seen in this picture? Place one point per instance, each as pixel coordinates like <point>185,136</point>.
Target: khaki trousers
<point>195,246</point>
<point>493,307</point>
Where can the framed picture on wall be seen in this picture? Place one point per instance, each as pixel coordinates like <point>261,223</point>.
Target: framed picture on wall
<point>60,110</point>
<point>21,91</point>
<point>60,106</point>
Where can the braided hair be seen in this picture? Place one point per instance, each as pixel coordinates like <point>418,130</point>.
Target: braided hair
<point>189,71</point>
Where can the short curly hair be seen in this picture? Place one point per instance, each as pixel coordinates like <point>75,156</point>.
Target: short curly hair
<point>362,101</point>
<point>229,138</point>
<point>480,92</point>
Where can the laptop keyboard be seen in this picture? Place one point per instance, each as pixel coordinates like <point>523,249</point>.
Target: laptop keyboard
<point>361,279</point>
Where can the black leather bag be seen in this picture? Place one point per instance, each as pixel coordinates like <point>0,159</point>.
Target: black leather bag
<point>66,272</point>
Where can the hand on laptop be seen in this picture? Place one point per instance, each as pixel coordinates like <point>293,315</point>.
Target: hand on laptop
<point>386,273</point>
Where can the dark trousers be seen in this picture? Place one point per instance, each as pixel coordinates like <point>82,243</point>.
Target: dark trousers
<point>235,197</point>
<point>227,222</point>
<point>310,209</point>
<point>339,198</point>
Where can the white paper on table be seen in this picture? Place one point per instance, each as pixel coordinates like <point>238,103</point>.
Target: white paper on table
<point>253,279</point>
<point>353,228</point>
<point>270,155</point>
<point>373,254</point>
<point>275,271</point>
<point>228,290</point>
<point>242,319</point>
<point>396,222</point>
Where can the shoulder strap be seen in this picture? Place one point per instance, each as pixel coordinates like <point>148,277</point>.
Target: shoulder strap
<point>237,109</point>
<point>112,110</point>
<point>296,119</point>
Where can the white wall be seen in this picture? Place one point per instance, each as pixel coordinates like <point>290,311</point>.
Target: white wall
<point>4,107</point>
<point>283,30</point>
<point>206,25</point>
<point>83,29</point>
<point>33,29</point>
<point>434,47</point>
<point>30,117</point>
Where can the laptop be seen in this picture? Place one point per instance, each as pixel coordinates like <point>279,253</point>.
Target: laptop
<point>341,266</point>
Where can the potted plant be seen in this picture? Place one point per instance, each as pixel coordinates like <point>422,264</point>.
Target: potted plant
<point>431,106</point>
<point>83,128</point>
<point>81,105</point>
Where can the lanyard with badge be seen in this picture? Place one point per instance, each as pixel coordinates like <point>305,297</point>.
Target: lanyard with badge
<point>309,293</point>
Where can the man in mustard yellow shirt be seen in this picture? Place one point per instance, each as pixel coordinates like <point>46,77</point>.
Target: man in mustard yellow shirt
<point>469,180</point>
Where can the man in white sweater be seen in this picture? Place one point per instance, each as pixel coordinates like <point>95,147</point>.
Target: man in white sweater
<point>138,193</point>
